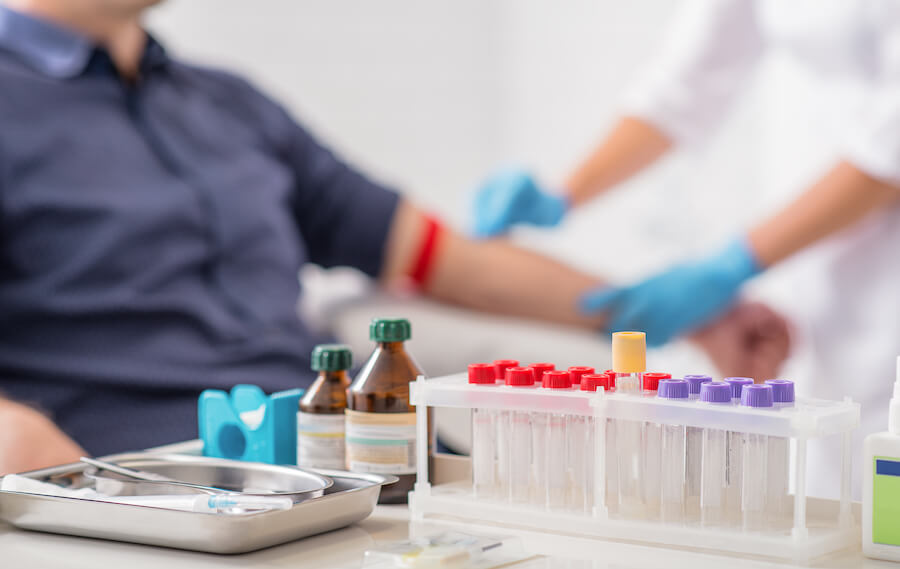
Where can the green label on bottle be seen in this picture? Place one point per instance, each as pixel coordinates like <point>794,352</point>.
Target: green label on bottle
<point>886,501</point>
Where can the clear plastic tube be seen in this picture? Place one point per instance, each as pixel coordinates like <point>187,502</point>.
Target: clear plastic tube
<point>734,471</point>
<point>504,431</point>
<point>539,428</point>
<point>520,456</point>
<point>484,453</point>
<point>672,487</point>
<point>557,472</point>
<point>713,475</point>
<point>612,468</point>
<point>651,468</point>
<point>753,489</point>
<point>580,456</point>
<point>629,450</point>
<point>777,473</point>
<point>693,457</point>
<point>778,460</point>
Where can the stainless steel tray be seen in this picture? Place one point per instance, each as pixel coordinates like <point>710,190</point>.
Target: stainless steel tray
<point>350,499</point>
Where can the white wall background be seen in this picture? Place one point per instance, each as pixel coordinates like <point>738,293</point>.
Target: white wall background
<point>430,96</point>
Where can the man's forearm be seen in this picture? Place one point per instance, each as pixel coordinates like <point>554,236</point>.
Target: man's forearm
<point>493,276</point>
<point>844,196</point>
<point>633,145</point>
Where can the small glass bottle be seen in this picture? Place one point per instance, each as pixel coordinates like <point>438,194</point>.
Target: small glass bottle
<point>320,418</point>
<point>754,462</point>
<point>484,436</point>
<point>693,442</point>
<point>381,423</point>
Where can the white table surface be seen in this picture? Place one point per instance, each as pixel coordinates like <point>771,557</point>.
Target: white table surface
<point>343,549</point>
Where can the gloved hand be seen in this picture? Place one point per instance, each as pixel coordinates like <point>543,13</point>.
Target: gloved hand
<point>510,197</point>
<point>681,299</point>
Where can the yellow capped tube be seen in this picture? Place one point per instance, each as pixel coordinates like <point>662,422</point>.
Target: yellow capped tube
<point>629,352</point>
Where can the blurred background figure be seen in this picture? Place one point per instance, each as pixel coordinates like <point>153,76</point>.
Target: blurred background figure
<point>831,194</point>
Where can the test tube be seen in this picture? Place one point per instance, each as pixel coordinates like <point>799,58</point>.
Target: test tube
<point>578,451</point>
<point>755,455</point>
<point>714,463</point>
<point>502,426</point>
<point>585,476</point>
<point>734,444</point>
<point>484,437</point>
<point>518,465</point>
<point>629,351</point>
<point>612,456</point>
<point>672,478</point>
<point>779,459</point>
<point>693,448</point>
<point>557,458</point>
<point>652,451</point>
<point>538,370</point>
<point>576,373</point>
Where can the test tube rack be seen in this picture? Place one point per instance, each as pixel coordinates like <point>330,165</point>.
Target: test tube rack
<point>814,527</point>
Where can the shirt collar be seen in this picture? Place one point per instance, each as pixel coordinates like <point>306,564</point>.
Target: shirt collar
<point>56,51</point>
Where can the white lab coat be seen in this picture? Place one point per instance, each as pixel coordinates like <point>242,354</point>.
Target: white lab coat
<point>837,97</point>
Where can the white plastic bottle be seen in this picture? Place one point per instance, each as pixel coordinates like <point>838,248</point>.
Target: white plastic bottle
<point>881,486</point>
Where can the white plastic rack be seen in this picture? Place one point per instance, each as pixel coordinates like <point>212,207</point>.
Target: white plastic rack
<point>811,527</point>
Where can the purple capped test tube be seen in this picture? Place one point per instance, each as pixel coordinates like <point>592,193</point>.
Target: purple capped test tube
<point>672,482</point>
<point>714,471</point>
<point>693,445</point>
<point>754,459</point>
<point>734,445</point>
<point>779,459</point>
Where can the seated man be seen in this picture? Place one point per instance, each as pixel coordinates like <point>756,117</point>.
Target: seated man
<point>155,215</point>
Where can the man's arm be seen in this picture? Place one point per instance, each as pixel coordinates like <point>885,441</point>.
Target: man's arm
<point>493,276</point>
<point>29,440</point>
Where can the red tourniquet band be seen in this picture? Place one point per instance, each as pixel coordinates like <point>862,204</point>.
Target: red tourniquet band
<point>424,262</point>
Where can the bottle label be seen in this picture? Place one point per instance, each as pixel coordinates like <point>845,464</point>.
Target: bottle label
<point>381,443</point>
<point>320,440</point>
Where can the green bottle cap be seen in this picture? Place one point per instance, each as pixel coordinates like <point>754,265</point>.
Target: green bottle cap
<point>389,330</point>
<point>331,357</point>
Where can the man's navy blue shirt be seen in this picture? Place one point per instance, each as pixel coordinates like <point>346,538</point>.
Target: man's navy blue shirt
<point>152,234</point>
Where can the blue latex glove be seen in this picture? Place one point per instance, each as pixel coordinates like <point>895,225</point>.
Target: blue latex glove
<point>510,197</point>
<point>679,300</point>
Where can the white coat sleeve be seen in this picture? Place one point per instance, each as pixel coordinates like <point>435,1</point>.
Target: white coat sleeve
<point>704,64</point>
<point>874,145</point>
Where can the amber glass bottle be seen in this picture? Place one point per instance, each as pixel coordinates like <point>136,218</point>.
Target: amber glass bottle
<point>320,420</point>
<point>381,424</point>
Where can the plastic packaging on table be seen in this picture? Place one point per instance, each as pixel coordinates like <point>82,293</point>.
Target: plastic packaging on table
<point>754,462</point>
<point>449,550</point>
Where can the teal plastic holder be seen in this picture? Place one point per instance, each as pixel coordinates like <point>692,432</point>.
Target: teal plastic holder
<point>249,425</point>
